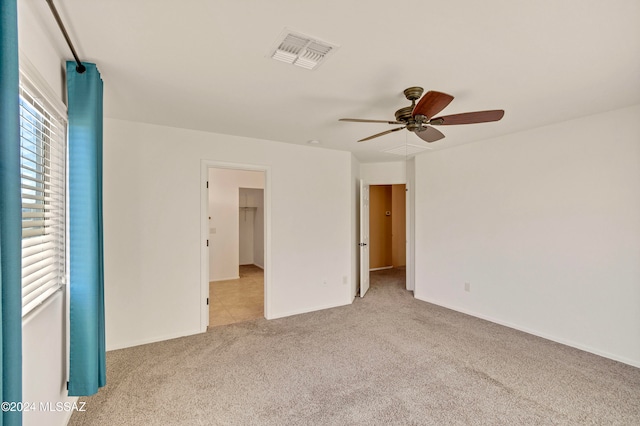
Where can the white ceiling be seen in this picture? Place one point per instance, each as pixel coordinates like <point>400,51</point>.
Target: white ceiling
<point>204,64</point>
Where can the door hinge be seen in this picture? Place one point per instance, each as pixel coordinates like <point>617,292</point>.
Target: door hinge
<point>207,243</point>
<point>207,184</point>
<point>207,301</point>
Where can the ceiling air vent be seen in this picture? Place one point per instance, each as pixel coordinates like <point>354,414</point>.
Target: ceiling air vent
<point>407,150</point>
<point>301,50</point>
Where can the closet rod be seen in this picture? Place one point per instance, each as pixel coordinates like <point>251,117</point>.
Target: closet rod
<point>79,67</point>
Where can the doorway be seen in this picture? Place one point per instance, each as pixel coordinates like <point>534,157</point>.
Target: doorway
<point>235,278</point>
<point>241,299</point>
<point>387,226</point>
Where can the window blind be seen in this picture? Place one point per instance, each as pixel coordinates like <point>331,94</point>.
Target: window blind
<point>43,183</point>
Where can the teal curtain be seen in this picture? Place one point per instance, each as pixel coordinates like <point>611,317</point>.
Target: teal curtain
<point>87,369</point>
<point>10,214</point>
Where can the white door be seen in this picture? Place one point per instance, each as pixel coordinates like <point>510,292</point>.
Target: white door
<point>364,238</point>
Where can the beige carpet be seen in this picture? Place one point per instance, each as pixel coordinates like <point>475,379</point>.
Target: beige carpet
<point>386,359</point>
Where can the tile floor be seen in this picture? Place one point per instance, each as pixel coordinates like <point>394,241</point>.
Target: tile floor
<point>238,300</point>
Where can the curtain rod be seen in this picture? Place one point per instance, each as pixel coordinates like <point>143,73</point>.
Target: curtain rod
<point>79,68</point>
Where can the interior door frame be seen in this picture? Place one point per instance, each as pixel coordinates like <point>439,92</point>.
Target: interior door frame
<point>364,240</point>
<point>409,183</point>
<point>410,206</point>
<point>205,165</point>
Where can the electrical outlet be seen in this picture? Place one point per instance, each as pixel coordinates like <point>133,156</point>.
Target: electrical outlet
<point>467,287</point>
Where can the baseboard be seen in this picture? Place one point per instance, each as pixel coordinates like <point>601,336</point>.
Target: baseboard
<point>69,413</point>
<point>151,340</point>
<point>546,336</point>
<point>306,311</point>
<point>226,279</point>
<point>380,269</point>
<point>191,333</point>
<point>259,266</point>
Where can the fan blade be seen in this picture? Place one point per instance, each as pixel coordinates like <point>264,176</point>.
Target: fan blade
<point>386,132</point>
<point>430,134</point>
<point>469,117</point>
<point>360,120</point>
<point>431,104</point>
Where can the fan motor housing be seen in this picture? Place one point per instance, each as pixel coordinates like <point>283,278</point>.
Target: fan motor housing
<point>404,114</point>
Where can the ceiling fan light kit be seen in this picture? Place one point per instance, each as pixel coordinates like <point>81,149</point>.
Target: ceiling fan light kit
<point>418,118</point>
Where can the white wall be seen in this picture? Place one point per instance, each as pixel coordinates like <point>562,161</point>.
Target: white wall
<point>36,44</point>
<point>251,224</point>
<point>152,193</point>
<point>44,331</point>
<point>389,173</point>
<point>224,242</point>
<point>544,225</point>
<point>245,240</point>
<point>44,360</point>
<point>259,230</point>
<point>256,199</point>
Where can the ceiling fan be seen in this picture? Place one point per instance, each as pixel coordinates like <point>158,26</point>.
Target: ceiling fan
<point>419,118</point>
